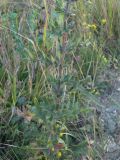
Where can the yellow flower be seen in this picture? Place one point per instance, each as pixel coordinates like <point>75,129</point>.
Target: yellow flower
<point>59,154</point>
<point>52,149</point>
<point>103,21</point>
<point>92,26</point>
<point>61,135</point>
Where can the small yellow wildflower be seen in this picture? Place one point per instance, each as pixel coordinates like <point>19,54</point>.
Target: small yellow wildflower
<point>61,135</point>
<point>59,154</point>
<point>103,21</point>
<point>52,149</point>
<point>92,26</point>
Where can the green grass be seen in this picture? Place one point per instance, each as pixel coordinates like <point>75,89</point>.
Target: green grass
<point>48,76</point>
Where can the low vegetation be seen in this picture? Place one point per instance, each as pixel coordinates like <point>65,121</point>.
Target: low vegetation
<point>52,56</point>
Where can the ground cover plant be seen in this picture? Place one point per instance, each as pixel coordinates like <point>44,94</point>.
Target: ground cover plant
<point>53,54</point>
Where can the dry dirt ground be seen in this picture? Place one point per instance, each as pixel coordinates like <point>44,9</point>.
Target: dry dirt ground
<point>110,115</point>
